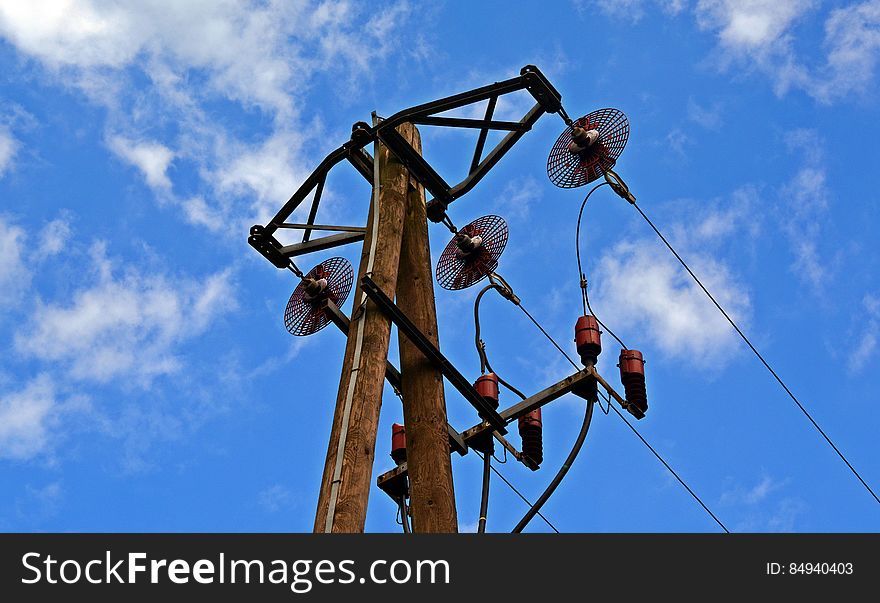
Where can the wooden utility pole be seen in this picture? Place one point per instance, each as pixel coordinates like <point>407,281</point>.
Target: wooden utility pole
<point>347,478</point>
<point>424,407</point>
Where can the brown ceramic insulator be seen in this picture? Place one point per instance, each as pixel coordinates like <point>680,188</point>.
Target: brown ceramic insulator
<point>632,375</point>
<point>588,338</point>
<point>531,431</point>
<point>487,387</point>
<point>398,443</point>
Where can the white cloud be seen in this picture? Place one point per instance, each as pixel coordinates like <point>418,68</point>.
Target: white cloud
<point>753,495</point>
<point>867,345</point>
<point>762,507</point>
<point>751,26</point>
<point>8,148</point>
<point>239,44</point>
<point>263,55</point>
<point>806,197</point>
<point>15,277</point>
<point>707,117</point>
<point>852,39</point>
<point>124,326</point>
<point>26,418</point>
<point>755,34</point>
<point>151,158</point>
<point>633,10</point>
<point>641,285</point>
<point>678,141</point>
<point>267,173</point>
<point>759,34</point>
<point>516,200</point>
<point>637,286</point>
<point>275,498</point>
<point>54,235</point>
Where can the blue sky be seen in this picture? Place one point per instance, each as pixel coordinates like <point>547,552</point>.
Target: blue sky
<point>147,382</point>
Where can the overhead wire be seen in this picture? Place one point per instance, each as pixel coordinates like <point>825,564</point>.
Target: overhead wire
<point>671,470</point>
<point>757,353</point>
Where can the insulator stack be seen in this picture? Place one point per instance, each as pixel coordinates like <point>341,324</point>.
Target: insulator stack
<point>632,375</point>
<point>531,431</point>
<point>487,387</point>
<point>398,443</point>
<point>588,339</point>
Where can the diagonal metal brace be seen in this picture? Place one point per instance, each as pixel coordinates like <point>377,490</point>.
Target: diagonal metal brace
<point>321,244</point>
<point>392,375</point>
<point>434,356</point>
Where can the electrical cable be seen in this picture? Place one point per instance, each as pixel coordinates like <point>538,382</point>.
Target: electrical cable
<point>581,276</point>
<point>557,479</point>
<point>757,353</point>
<point>404,520</point>
<point>518,493</point>
<point>484,497</point>
<point>607,410</point>
<point>484,364</point>
<point>547,335</point>
<point>481,345</point>
<point>505,383</point>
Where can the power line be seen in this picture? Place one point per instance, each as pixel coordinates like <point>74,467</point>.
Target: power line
<point>757,353</point>
<point>518,493</point>
<point>547,335</point>
<point>671,470</point>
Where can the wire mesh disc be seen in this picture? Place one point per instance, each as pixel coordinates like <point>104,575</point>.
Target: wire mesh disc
<point>303,315</point>
<point>456,270</point>
<point>570,170</point>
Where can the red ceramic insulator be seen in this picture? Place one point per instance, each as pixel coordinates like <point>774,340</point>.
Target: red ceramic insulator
<point>632,375</point>
<point>398,443</point>
<point>487,387</point>
<point>588,339</point>
<point>531,432</point>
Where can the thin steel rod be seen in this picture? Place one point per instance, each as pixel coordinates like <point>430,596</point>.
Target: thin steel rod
<point>313,211</point>
<point>481,139</point>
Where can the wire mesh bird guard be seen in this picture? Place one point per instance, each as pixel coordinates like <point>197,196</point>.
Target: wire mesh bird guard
<point>330,280</point>
<point>588,147</point>
<point>473,253</point>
